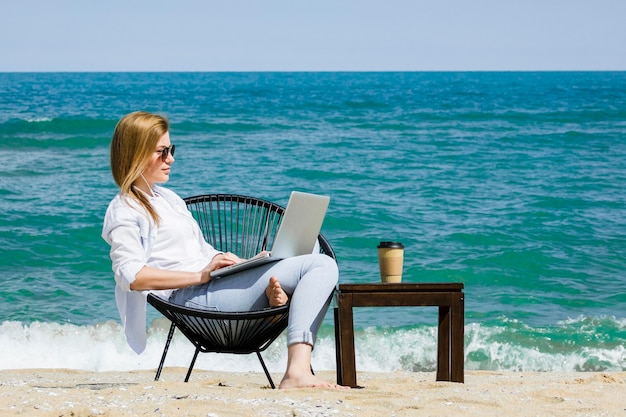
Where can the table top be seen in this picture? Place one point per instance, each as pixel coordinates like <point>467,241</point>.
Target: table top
<point>402,287</point>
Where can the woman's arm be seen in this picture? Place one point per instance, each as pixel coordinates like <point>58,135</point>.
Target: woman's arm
<point>159,279</point>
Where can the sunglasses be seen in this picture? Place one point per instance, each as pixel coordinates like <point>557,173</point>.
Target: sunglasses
<point>165,152</point>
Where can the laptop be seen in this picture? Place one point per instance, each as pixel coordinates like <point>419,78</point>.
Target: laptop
<point>297,233</point>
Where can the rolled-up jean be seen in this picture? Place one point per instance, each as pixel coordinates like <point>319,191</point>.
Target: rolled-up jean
<point>309,280</point>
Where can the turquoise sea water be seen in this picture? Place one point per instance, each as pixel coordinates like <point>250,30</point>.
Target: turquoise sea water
<point>512,183</point>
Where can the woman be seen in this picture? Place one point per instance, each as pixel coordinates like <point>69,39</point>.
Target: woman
<point>157,246</point>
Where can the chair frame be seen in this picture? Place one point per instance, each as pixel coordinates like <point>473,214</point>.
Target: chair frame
<point>230,332</point>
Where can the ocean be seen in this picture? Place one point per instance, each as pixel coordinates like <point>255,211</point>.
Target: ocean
<point>513,183</point>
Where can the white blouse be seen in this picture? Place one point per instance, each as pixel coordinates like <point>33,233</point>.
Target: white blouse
<point>177,244</point>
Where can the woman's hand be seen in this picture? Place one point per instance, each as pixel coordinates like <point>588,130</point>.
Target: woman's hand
<point>262,253</point>
<point>220,260</point>
<point>224,259</point>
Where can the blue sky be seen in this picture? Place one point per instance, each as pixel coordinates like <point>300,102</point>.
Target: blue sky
<point>320,35</point>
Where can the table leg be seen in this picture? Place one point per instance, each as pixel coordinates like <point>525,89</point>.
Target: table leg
<point>458,336</point>
<point>346,373</point>
<point>443,344</point>
<point>338,360</point>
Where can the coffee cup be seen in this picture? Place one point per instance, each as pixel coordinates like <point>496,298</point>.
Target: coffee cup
<point>390,260</point>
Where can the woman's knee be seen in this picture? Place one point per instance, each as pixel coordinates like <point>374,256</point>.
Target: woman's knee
<point>329,265</point>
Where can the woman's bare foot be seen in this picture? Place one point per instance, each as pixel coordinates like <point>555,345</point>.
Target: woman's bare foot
<point>298,374</point>
<point>307,381</point>
<point>275,294</point>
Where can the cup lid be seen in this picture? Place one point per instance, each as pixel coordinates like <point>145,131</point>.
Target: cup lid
<point>390,245</point>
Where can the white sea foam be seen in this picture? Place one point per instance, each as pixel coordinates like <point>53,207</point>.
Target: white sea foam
<point>39,119</point>
<point>102,347</point>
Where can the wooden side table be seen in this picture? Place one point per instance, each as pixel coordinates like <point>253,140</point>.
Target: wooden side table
<point>449,297</point>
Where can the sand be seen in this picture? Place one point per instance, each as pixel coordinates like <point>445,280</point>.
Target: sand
<point>59,392</point>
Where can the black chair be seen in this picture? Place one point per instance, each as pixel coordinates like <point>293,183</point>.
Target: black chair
<point>245,226</point>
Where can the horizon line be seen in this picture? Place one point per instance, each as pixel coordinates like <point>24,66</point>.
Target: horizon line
<point>301,71</point>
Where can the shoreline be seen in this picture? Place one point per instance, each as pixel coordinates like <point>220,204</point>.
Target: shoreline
<point>65,392</point>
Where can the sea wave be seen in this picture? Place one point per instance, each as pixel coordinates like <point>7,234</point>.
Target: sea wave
<point>38,119</point>
<point>54,131</point>
<point>578,345</point>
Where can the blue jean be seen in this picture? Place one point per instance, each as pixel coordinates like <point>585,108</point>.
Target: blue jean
<point>309,280</point>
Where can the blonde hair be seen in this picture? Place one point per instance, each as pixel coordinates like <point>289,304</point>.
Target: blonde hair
<point>135,138</point>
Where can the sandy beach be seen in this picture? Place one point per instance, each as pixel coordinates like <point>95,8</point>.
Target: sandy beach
<point>59,392</point>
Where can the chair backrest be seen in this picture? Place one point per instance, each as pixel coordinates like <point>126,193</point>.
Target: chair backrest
<point>240,224</point>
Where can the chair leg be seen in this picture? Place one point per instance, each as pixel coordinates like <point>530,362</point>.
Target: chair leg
<point>167,346</point>
<point>267,374</point>
<point>193,362</point>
